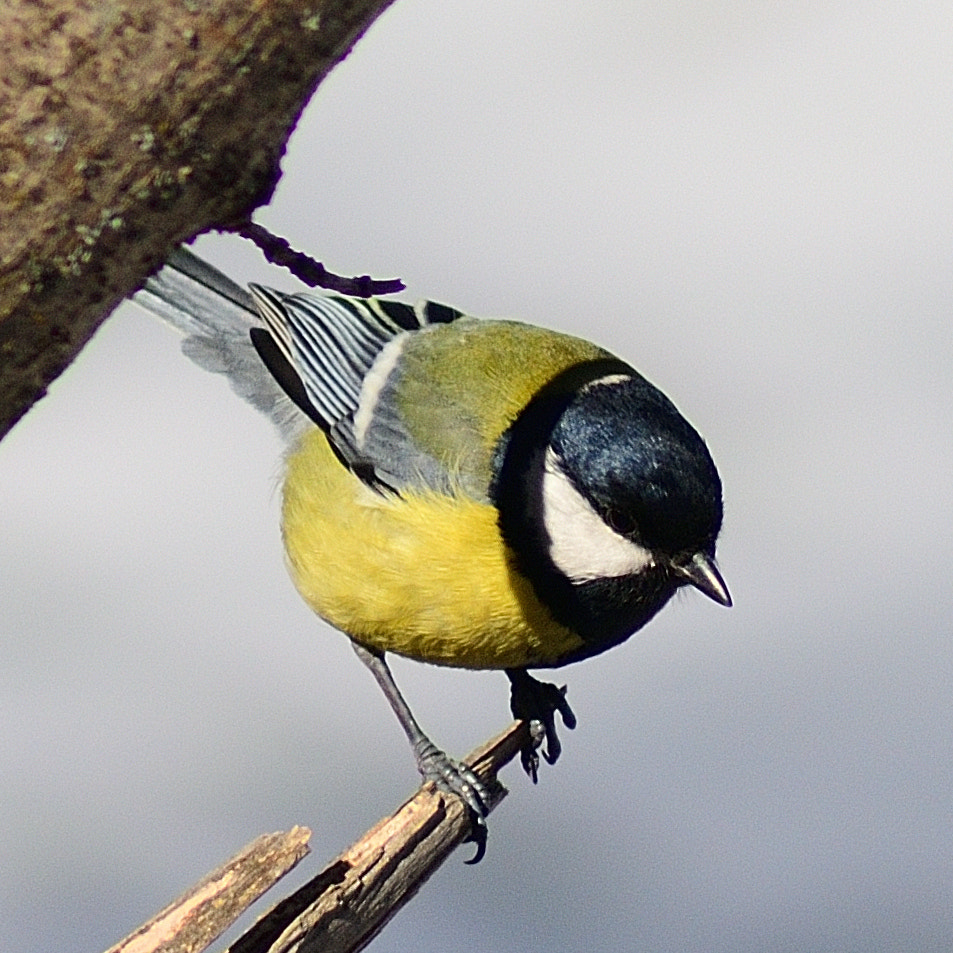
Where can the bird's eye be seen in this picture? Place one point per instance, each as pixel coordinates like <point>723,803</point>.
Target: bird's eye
<point>620,522</point>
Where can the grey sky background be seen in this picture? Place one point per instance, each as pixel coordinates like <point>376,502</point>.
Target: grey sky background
<point>751,202</point>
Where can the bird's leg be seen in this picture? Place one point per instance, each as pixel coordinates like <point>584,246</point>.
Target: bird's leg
<point>434,765</point>
<point>534,701</point>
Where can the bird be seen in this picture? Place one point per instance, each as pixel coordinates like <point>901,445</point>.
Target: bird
<point>477,493</point>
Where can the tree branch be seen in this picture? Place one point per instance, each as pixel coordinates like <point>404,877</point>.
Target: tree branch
<point>351,900</point>
<point>126,128</point>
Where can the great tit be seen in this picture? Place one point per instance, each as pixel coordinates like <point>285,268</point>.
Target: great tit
<point>476,493</point>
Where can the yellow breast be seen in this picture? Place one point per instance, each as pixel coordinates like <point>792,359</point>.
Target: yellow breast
<point>424,575</point>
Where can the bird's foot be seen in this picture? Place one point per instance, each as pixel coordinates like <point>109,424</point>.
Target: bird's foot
<point>537,703</point>
<point>453,777</point>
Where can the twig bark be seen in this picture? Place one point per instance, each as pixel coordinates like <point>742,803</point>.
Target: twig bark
<point>130,126</point>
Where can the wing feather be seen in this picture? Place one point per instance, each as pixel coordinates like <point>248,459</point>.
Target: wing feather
<point>331,344</point>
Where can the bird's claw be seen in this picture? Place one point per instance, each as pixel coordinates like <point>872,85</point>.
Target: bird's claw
<point>453,777</point>
<point>477,836</point>
<point>538,703</point>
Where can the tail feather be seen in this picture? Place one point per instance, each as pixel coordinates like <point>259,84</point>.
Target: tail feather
<point>196,298</point>
<point>216,316</point>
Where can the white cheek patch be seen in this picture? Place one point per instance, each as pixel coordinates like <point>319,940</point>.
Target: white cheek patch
<point>582,546</point>
<point>373,384</point>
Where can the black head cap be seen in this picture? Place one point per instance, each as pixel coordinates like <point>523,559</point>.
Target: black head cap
<point>641,465</point>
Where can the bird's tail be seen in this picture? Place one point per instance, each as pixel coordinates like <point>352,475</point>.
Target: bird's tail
<point>216,316</point>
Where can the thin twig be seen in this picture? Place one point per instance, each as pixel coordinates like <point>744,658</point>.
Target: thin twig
<point>311,272</point>
<point>203,913</point>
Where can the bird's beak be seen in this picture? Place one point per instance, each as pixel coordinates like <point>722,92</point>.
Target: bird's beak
<point>701,572</point>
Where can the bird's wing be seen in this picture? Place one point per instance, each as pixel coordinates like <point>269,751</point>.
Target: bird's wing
<point>410,397</point>
<point>333,356</point>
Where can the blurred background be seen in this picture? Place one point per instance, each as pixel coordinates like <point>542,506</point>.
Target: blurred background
<point>750,201</point>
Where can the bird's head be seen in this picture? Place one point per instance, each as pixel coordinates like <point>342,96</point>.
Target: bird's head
<point>631,458</point>
<point>617,504</point>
